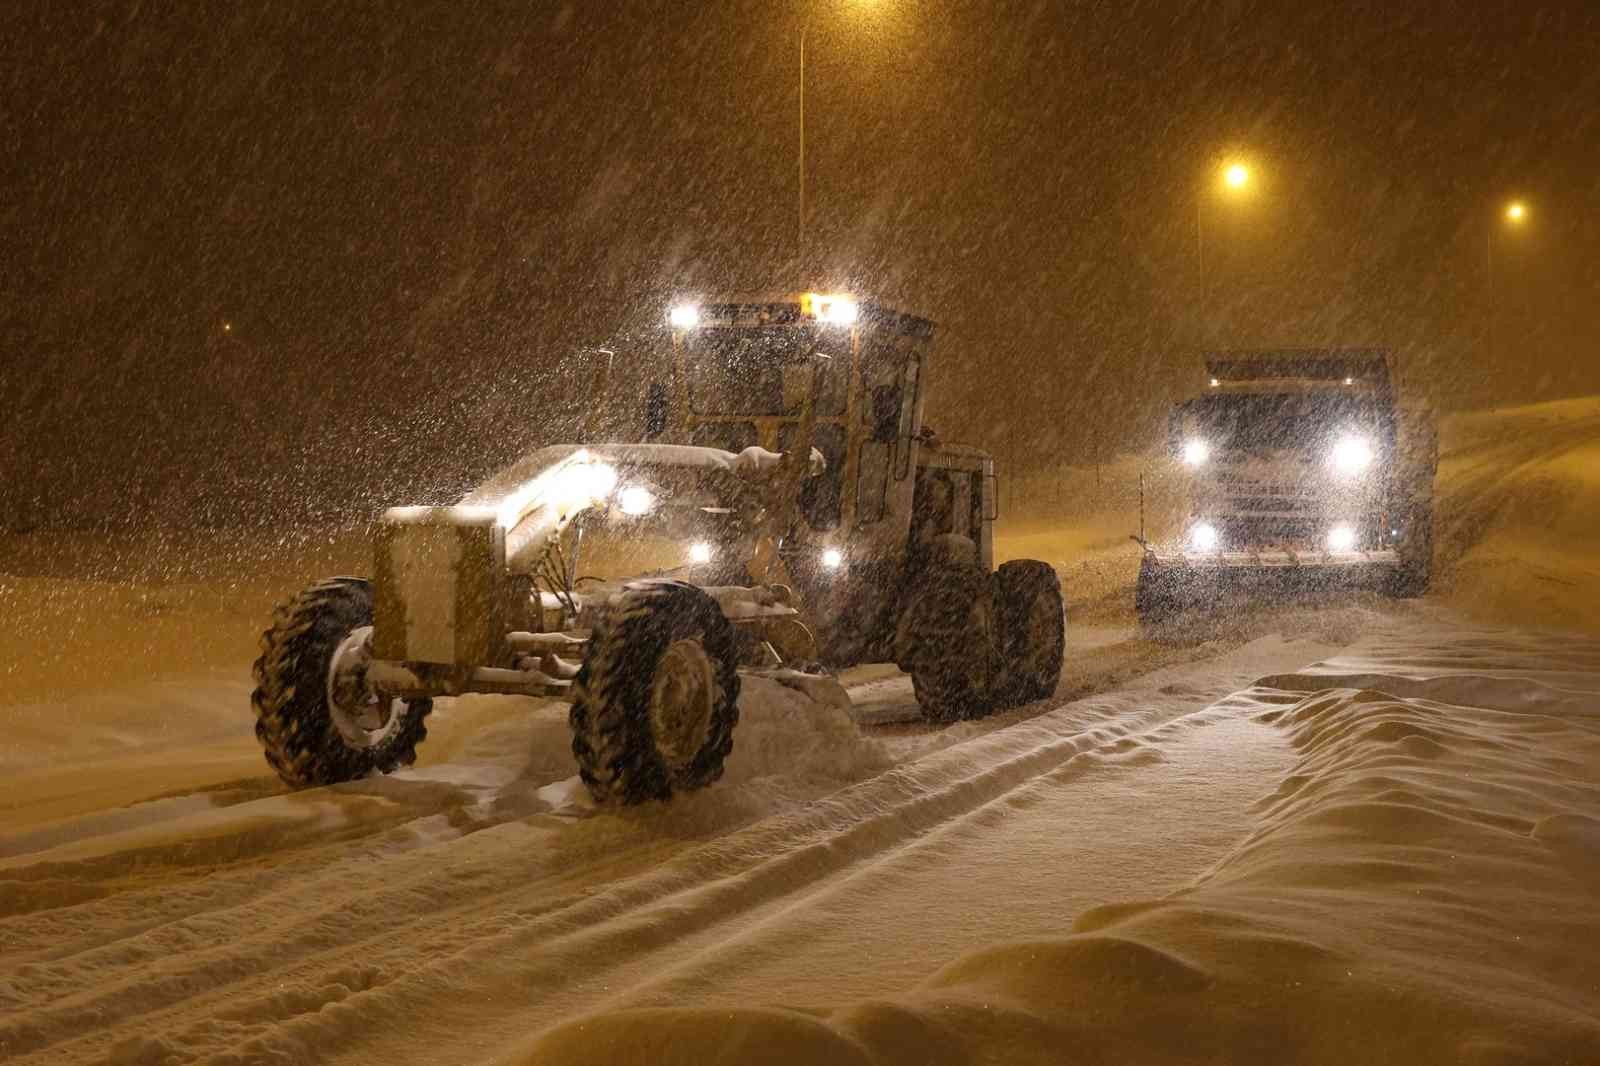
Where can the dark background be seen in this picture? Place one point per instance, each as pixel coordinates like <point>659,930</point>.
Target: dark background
<point>268,260</point>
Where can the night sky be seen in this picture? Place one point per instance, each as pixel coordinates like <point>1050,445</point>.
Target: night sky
<point>262,260</point>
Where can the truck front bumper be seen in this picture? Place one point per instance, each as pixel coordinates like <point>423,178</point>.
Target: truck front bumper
<point>1272,559</point>
<point>1171,582</point>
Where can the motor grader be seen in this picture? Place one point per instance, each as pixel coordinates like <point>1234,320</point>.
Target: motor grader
<point>782,510</point>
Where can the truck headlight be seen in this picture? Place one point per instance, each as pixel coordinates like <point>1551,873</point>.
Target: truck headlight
<point>699,552</point>
<point>1203,537</point>
<point>832,558</point>
<point>1341,538</point>
<point>684,316</point>
<point>1351,455</point>
<point>1196,452</point>
<point>635,500</point>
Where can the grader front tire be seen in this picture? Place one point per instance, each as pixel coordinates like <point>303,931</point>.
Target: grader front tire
<point>657,698</point>
<point>308,738</point>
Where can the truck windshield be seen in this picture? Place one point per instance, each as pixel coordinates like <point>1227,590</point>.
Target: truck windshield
<point>1264,422</point>
<point>756,371</point>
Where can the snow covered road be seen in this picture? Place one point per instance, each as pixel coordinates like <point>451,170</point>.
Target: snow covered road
<point>469,903</point>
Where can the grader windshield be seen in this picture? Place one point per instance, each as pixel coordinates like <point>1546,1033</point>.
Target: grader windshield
<point>769,371</point>
<point>764,371</point>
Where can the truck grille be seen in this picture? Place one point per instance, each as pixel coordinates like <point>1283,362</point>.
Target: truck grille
<point>1277,498</point>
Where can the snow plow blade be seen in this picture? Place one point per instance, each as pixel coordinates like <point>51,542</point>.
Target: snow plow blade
<point>1272,560</point>
<point>1178,581</point>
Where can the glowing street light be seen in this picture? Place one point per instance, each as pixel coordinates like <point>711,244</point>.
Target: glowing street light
<point>1235,177</point>
<point>1514,215</point>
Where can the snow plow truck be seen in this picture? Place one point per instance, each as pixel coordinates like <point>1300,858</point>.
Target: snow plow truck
<point>1300,468</point>
<point>782,510</point>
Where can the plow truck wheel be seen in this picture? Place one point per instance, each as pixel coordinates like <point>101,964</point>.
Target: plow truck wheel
<point>953,652</point>
<point>316,719</point>
<point>657,697</point>
<point>1033,629</point>
<point>1155,597</point>
<point>1416,554</point>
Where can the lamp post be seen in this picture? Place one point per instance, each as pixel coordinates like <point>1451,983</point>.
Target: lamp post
<point>1515,213</point>
<point>1235,177</point>
<point>801,232</point>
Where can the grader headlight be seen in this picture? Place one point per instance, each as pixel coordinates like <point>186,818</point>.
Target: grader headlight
<point>684,316</point>
<point>582,484</point>
<point>833,309</point>
<point>636,500</point>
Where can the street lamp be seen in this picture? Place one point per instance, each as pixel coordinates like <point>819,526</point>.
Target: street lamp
<point>1235,178</point>
<point>1515,214</point>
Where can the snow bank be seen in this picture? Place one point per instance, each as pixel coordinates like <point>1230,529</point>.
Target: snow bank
<point>1423,886</point>
<point>1517,512</point>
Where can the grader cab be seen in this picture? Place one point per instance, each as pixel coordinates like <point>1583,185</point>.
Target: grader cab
<point>786,512</point>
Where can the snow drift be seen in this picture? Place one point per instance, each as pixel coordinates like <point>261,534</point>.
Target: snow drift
<point>1519,514</point>
<point>1424,886</point>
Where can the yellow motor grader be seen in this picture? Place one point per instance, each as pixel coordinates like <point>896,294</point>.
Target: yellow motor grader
<point>782,510</point>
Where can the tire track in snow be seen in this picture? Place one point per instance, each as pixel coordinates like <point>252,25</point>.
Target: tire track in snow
<point>429,930</point>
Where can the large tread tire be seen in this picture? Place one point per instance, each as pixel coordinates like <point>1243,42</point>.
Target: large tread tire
<point>954,658</point>
<point>293,719</point>
<point>613,740</point>
<point>1033,629</point>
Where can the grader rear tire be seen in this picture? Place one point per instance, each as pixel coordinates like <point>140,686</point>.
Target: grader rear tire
<point>657,697</point>
<point>312,730</point>
<point>1033,629</point>
<point>954,657</point>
